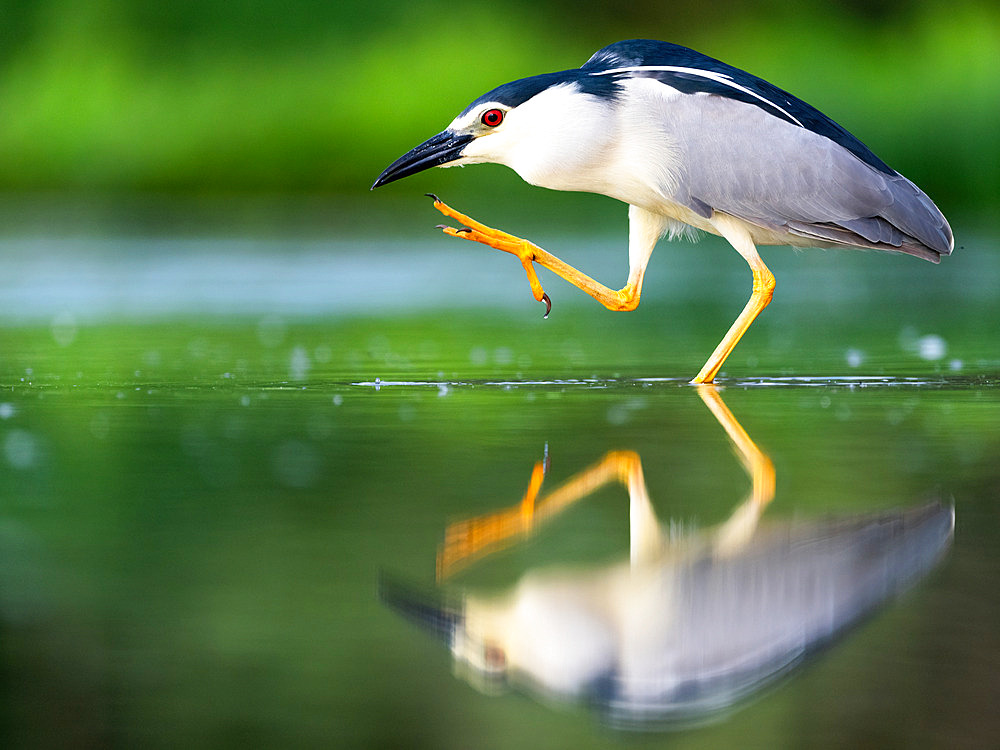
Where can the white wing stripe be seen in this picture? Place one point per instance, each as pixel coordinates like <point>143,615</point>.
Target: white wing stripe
<point>711,75</point>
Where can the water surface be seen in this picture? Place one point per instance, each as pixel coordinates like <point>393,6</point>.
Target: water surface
<point>199,497</point>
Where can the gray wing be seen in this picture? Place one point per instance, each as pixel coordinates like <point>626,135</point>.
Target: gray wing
<point>741,160</point>
<point>791,591</point>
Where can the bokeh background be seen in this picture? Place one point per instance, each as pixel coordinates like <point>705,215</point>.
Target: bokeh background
<point>260,97</point>
<point>235,384</point>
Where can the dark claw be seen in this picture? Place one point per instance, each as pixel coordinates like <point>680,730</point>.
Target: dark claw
<point>548,305</point>
<point>463,229</point>
<point>442,226</point>
<point>433,197</point>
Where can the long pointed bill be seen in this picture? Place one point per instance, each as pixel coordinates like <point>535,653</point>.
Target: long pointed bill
<point>421,608</point>
<point>442,148</point>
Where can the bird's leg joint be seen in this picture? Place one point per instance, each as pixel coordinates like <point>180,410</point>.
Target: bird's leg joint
<point>763,283</point>
<point>625,299</point>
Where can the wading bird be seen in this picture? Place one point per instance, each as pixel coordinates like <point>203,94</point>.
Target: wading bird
<point>684,140</point>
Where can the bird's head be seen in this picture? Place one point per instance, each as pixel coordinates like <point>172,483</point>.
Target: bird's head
<point>551,129</point>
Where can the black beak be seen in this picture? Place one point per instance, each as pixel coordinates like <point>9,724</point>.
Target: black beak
<point>421,608</point>
<point>442,148</point>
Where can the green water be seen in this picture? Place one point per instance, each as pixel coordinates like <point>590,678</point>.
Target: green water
<point>196,506</point>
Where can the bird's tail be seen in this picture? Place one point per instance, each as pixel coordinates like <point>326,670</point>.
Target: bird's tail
<point>912,224</point>
<point>926,231</point>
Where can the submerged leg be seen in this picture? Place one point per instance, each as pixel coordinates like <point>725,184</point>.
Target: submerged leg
<point>763,290</point>
<point>626,298</point>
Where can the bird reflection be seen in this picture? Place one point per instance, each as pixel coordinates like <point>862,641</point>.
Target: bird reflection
<point>693,622</point>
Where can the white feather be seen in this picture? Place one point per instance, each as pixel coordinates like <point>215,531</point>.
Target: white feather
<point>564,139</point>
<point>711,75</point>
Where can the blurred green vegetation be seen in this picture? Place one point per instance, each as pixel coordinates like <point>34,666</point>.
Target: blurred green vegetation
<point>317,96</point>
<point>194,508</point>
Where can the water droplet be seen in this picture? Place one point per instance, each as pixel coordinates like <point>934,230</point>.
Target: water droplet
<point>21,449</point>
<point>617,415</point>
<point>298,368</point>
<point>932,347</point>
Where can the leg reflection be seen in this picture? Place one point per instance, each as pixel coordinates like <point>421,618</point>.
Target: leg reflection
<point>472,539</point>
<point>695,621</point>
<point>736,531</point>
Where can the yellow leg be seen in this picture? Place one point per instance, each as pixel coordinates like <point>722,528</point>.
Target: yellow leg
<point>474,538</point>
<point>468,540</point>
<point>763,290</point>
<point>626,298</point>
<point>758,466</point>
<point>732,536</point>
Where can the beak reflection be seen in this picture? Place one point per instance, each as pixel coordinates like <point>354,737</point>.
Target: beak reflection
<point>693,623</point>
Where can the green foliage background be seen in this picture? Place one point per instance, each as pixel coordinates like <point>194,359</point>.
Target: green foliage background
<point>195,499</point>
<point>318,96</point>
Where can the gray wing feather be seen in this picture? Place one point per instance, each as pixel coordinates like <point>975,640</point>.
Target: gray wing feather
<point>738,159</point>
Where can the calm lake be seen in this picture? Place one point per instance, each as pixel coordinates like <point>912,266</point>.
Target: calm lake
<point>302,492</point>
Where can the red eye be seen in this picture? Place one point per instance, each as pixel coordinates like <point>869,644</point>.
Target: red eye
<point>491,118</point>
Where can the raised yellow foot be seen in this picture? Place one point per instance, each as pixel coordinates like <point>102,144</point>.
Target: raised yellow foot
<point>626,298</point>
